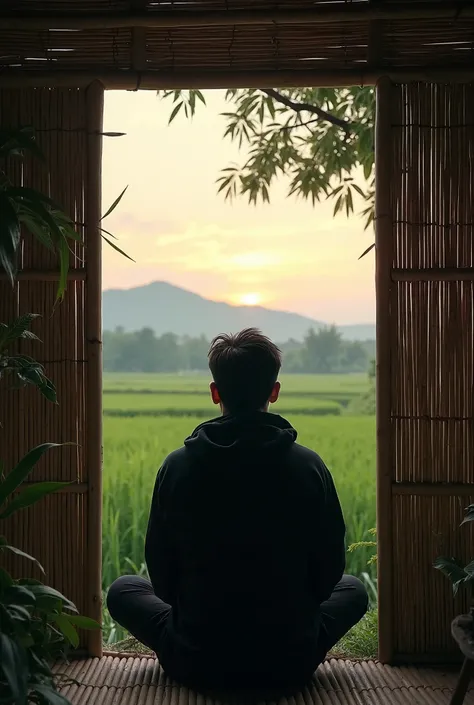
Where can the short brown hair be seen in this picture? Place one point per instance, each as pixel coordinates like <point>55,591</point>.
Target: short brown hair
<point>245,367</point>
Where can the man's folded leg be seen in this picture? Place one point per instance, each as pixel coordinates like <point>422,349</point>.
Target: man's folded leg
<point>346,606</point>
<point>133,604</point>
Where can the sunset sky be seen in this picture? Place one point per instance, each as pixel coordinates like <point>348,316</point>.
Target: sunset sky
<point>286,255</point>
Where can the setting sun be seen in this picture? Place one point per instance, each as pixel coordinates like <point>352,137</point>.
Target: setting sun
<point>251,299</point>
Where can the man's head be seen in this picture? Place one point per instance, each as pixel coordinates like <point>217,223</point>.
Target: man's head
<point>245,369</point>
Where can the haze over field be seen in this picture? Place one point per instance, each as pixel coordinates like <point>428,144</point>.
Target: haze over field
<point>168,309</point>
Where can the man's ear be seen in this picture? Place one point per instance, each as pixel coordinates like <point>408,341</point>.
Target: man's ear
<point>214,393</point>
<point>275,393</point>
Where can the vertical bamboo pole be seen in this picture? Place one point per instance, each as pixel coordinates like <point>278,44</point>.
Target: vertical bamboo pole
<point>383,285</point>
<point>93,325</point>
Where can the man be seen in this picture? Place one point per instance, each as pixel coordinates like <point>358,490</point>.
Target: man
<point>245,544</point>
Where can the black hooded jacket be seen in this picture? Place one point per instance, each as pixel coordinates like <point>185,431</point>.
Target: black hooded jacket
<point>245,540</point>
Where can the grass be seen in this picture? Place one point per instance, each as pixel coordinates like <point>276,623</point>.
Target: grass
<point>351,384</point>
<point>361,641</point>
<point>169,404</point>
<point>134,448</point>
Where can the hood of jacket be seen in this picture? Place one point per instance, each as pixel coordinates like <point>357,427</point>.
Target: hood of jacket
<point>256,433</point>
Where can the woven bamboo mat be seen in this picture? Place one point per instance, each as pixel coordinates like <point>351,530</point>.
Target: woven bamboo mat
<point>140,681</point>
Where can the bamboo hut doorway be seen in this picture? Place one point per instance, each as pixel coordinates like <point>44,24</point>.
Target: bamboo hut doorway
<point>425,261</point>
<point>425,367</point>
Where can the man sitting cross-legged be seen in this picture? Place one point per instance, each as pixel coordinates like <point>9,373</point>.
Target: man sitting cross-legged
<point>245,545</point>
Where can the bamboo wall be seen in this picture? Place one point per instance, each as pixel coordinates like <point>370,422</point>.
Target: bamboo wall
<point>63,531</point>
<point>425,328</point>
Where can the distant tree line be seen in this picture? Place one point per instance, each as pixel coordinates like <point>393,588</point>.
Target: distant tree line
<point>323,351</point>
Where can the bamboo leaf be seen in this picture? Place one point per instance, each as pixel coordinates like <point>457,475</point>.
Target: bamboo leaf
<point>25,193</point>
<point>114,204</point>
<point>115,247</point>
<point>366,252</point>
<point>174,112</point>
<point>200,96</point>
<point>103,230</point>
<point>36,229</point>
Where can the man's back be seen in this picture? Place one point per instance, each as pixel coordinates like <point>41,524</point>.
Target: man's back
<point>246,539</point>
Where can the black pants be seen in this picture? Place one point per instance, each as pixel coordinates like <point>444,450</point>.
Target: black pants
<point>133,604</point>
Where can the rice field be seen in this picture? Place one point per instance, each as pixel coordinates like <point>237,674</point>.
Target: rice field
<point>146,417</point>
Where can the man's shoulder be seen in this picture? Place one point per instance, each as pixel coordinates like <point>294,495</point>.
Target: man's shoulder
<point>306,457</point>
<point>176,458</point>
<point>309,469</point>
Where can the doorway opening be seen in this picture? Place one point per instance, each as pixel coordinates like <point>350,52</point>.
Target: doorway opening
<point>209,261</point>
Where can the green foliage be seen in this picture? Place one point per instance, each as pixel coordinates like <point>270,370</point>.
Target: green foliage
<point>24,207</point>
<point>23,368</point>
<point>366,544</point>
<point>318,137</point>
<point>365,403</point>
<point>37,623</point>
<point>453,568</point>
<point>322,351</point>
<point>362,640</point>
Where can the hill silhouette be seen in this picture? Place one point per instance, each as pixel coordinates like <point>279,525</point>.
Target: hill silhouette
<point>167,308</point>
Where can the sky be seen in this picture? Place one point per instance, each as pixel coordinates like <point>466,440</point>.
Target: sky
<point>286,255</point>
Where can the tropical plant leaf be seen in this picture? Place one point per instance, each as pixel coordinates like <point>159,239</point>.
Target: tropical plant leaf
<point>18,328</point>
<point>469,516</point>
<point>63,251</point>
<point>9,236</point>
<point>39,591</point>
<point>21,554</point>
<point>114,204</point>
<point>67,629</point>
<point>452,569</point>
<point>35,375</point>
<point>14,479</point>
<point>14,667</point>
<point>6,579</point>
<point>50,695</point>
<point>16,141</point>
<point>20,615</point>
<point>31,495</point>
<point>48,390</point>
<point>20,595</point>
<point>82,622</point>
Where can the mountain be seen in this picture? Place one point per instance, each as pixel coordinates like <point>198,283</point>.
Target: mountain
<point>166,308</point>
